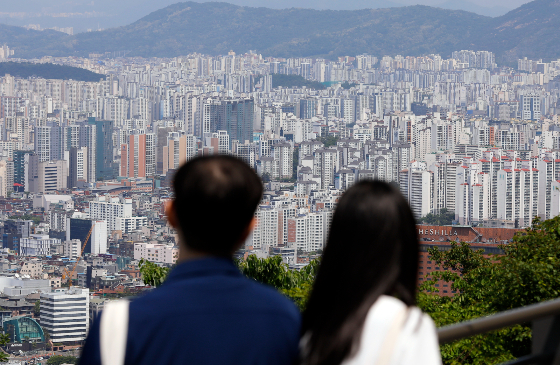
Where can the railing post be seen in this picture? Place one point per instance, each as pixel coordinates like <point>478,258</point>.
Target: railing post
<point>546,338</point>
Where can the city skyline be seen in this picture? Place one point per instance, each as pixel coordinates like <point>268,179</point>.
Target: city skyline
<point>91,140</point>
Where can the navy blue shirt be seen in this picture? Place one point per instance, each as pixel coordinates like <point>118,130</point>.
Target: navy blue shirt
<point>207,312</point>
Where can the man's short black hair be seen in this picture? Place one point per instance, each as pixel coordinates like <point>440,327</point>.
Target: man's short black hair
<point>215,200</point>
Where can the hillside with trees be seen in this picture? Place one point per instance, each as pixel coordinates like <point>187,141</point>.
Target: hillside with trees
<point>48,71</point>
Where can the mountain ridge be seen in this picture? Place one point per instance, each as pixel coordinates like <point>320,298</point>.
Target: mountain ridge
<point>215,28</point>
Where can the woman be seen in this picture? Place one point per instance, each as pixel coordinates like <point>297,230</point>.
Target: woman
<point>361,309</point>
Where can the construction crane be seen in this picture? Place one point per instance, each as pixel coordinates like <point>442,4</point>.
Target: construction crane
<point>69,274</point>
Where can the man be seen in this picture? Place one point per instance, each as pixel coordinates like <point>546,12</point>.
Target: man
<point>207,312</point>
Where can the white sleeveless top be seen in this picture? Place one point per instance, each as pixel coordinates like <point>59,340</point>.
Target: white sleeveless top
<point>395,334</point>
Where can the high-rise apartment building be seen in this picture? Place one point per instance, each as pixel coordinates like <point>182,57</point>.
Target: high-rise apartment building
<point>236,118</point>
<point>88,139</point>
<point>104,148</point>
<point>530,106</point>
<point>307,108</point>
<point>65,314</point>
<point>117,213</point>
<point>77,166</point>
<point>138,156</point>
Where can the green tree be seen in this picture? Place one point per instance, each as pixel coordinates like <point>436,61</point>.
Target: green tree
<point>295,284</point>
<point>329,140</point>
<point>527,273</point>
<point>48,341</point>
<point>265,177</point>
<point>37,308</point>
<point>346,85</point>
<point>58,360</point>
<point>152,274</point>
<point>4,340</point>
<point>28,217</point>
<point>444,218</point>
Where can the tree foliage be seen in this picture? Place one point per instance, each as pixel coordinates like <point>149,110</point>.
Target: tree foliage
<point>295,80</point>
<point>37,308</point>
<point>346,85</point>
<point>27,217</point>
<point>4,340</point>
<point>329,140</point>
<point>444,218</point>
<point>48,71</point>
<point>296,284</point>
<point>527,273</point>
<point>152,274</point>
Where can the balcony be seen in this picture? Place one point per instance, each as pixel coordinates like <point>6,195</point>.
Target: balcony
<point>545,323</point>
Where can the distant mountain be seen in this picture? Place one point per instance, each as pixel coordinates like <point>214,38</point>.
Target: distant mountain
<point>215,28</point>
<point>528,31</point>
<point>88,14</point>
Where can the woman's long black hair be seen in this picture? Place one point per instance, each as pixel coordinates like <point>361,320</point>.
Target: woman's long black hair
<point>372,249</point>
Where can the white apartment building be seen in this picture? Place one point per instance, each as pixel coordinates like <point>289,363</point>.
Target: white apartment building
<point>325,164</point>
<point>416,186</point>
<point>65,314</point>
<point>555,199</point>
<point>37,245</point>
<point>283,153</point>
<point>473,200</point>
<point>308,232</point>
<point>72,248</point>
<point>98,238</point>
<point>117,213</point>
<point>272,226</point>
<point>530,106</point>
<point>156,252</point>
<point>517,195</point>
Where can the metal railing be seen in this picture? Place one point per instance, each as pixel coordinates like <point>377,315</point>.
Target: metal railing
<point>545,319</point>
